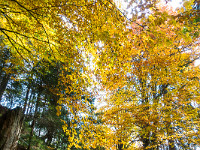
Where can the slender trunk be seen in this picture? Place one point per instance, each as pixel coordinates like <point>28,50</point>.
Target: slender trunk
<point>34,120</point>
<point>170,133</point>
<point>3,63</point>
<point>145,137</point>
<point>39,132</point>
<point>119,145</point>
<point>145,140</point>
<point>154,139</point>
<point>10,97</point>
<point>28,110</point>
<point>3,84</point>
<point>26,99</point>
<point>49,137</point>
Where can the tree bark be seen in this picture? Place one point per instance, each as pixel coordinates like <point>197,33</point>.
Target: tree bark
<point>170,133</point>
<point>34,121</point>
<point>119,145</point>
<point>3,84</point>
<point>146,142</point>
<point>10,129</point>
<point>26,99</point>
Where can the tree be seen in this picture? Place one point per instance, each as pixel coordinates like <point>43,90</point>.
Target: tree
<point>5,52</point>
<point>47,32</point>
<point>154,83</point>
<point>54,34</point>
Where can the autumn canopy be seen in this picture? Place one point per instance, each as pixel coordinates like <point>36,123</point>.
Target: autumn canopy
<point>64,54</point>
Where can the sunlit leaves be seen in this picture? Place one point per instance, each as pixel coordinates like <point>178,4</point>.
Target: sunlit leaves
<point>157,69</point>
<point>146,66</point>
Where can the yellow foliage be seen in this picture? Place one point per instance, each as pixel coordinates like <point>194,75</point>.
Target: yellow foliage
<point>147,67</point>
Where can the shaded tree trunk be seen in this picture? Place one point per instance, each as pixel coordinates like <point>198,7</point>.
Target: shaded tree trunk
<point>26,99</point>
<point>170,133</point>
<point>119,145</point>
<point>34,121</point>
<point>145,142</point>
<point>49,137</point>
<point>3,84</point>
<point>10,128</point>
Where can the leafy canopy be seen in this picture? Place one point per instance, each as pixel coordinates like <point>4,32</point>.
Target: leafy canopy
<point>146,64</point>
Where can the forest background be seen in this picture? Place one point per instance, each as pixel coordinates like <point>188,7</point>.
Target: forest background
<point>58,56</point>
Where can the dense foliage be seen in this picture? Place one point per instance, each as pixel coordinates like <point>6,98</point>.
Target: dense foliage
<point>56,56</point>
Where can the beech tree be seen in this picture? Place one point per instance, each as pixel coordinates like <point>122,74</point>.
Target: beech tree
<point>153,82</point>
<point>40,34</point>
<point>56,31</point>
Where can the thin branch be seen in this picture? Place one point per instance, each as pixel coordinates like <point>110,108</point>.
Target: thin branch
<point>14,46</point>
<point>30,12</point>
<point>23,35</point>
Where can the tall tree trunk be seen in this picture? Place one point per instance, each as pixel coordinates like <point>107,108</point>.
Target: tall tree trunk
<point>170,133</point>
<point>119,145</point>
<point>29,109</point>
<point>10,128</point>
<point>26,99</point>
<point>34,120</point>
<point>3,84</point>
<point>49,137</point>
<point>145,140</point>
